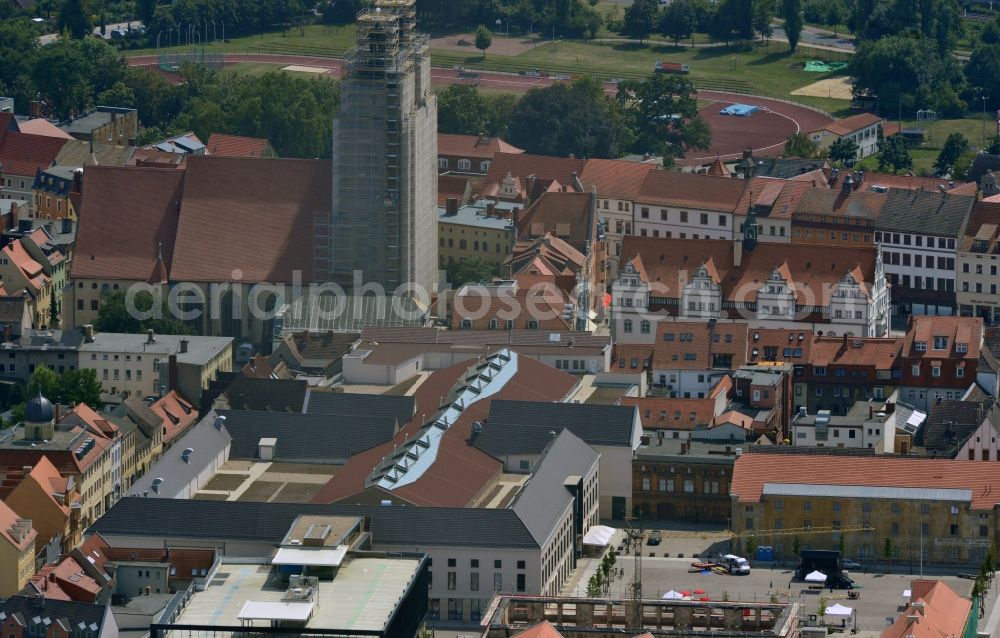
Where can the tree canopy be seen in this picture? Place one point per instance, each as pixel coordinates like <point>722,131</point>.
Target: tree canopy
<point>844,151</point>
<point>791,11</point>
<point>661,116</point>
<point>464,110</point>
<point>640,19</point>
<point>799,145</point>
<point>893,154</point>
<point>114,316</point>
<point>575,119</point>
<point>470,271</point>
<point>954,147</point>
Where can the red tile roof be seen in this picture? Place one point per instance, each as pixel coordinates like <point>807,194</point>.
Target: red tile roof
<point>880,354</point>
<point>923,328</point>
<point>524,165</point>
<point>615,179</point>
<point>781,196</point>
<point>544,629</point>
<point>753,470</point>
<point>473,146</point>
<point>130,211</point>
<point>672,414</point>
<point>9,521</point>
<point>66,580</point>
<point>763,339</point>
<point>460,471</point>
<point>40,126</point>
<point>255,216</point>
<point>816,271</point>
<point>907,182</point>
<point>848,125</point>
<point>177,413</point>
<point>30,269</point>
<point>236,145</point>
<point>184,560</point>
<point>943,614</point>
<point>690,345</point>
<point>701,192</point>
<point>23,153</point>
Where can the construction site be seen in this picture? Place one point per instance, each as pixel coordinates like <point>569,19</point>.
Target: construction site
<point>383,228</point>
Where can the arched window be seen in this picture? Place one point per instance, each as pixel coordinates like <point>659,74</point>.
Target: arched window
<point>644,327</point>
<point>484,166</point>
<point>493,324</point>
<point>627,324</point>
<point>466,324</point>
<point>464,165</point>
<point>443,163</point>
<point>533,324</point>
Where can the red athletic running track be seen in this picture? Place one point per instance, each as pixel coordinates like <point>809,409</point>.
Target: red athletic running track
<point>765,131</point>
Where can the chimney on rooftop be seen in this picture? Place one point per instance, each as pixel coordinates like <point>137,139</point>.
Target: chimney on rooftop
<point>150,338</point>
<point>184,346</point>
<point>847,185</point>
<point>491,209</point>
<point>451,206</point>
<point>88,333</point>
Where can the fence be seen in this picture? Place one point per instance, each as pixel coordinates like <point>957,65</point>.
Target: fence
<point>173,61</point>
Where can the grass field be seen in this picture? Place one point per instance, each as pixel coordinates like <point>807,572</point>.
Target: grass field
<point>766,69</point>
<point>935,135</point>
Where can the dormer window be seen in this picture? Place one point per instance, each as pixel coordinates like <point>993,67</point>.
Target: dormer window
<point>961,348</point>
<point>940,343</point>
<point>920,346</point>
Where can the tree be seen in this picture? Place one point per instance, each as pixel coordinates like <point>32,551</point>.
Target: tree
<point>44,381</point>
<point>640,19</point>
<point>796,546</point>
<point>595,585</point>
<point>563,119</point>
<point>821,609</point>
<point>954,147</point>
<point>905,73</point>
<point>661,114</point>
<point>960,169</point>
<point>114,315</point>
<point>983,71</point>
<point>888,549</point>
<point>844,151</point>
<point>340,12</point>
<point>466,271</point>
<point>104,24</point>
<point>74,18</point>
<point>892,153</point>
<point>799,145</point>
<point>483,39</point>
<point>762,16</point>
<point>751,546</point>
<point>993,147</point>
<point>53,310</point>
<point>791,11</point>
<point>118,95</point>
<point>678,20</point>
<point>841,544</point>
<point>80,386</point>
<point>460,110</point>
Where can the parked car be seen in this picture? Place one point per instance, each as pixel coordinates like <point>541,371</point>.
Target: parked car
<point>847,563</point>
<point>654,538</point>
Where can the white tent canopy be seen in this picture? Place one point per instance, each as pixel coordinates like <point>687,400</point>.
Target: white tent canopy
<point>838,610</point>
<point>599,535</point>
<point>673,595</point>
<point>310,556</point>
<point>816,577</point>
<point>906,594</point>
<point>276,610</point>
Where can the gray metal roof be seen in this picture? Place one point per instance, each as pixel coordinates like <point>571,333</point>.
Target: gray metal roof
<point>474,215</point>
<point>200,350</point>
<point>696,452</point>
<point>866,491</point>
<point>925,213</point>
<point>368,406</point>
<point>269,522</point>
<point>318,438</point>
<point>276,395</point>
<point>542,502</point>
<point>524,427</point>
<point>205,441</point>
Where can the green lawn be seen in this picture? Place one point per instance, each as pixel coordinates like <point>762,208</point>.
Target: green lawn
<point>935,135</point>
<point>768,70</point>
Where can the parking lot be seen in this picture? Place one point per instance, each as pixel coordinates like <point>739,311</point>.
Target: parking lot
<point>881,595</point>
